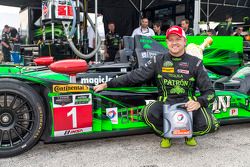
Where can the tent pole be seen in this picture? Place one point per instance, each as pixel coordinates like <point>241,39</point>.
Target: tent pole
<point>140,12</point>
<point>197,6</point>
<point>207,14</point>
<point>96,30</point>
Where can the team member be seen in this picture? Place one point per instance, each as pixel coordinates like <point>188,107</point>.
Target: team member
<point>157,29</point>
<point>185,27</point>
<point>177,76</point>
<point>143,29</point>
<point>112,42</point>
<point>6,43</point>
<point>238,31</point>
<point>225,28</point>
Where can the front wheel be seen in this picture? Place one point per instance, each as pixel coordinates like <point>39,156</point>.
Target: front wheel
<point>22,117</point>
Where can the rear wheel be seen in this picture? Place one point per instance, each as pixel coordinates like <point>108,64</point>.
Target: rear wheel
<point>22,117</point>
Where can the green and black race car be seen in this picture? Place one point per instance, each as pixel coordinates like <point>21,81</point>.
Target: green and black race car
<point>39,104</point>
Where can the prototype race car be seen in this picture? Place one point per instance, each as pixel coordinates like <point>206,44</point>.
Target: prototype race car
<point>39,104</point>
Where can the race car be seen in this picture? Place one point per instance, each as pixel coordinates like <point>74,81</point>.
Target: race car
<point>38,103</point>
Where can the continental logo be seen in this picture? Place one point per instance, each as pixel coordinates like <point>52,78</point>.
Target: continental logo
<point>70,88</point>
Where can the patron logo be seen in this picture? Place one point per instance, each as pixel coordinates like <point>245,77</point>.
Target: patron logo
<point>221,103</point>
<point>70,88</point>
<point>96,81</point>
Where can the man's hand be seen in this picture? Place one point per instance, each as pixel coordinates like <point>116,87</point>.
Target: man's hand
<point>192,105</point>
<point>100,87</point>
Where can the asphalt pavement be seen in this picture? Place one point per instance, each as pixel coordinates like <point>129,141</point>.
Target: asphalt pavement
<point>228,147</point>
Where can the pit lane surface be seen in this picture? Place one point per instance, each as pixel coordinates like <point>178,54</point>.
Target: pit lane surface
<point>230,146</point>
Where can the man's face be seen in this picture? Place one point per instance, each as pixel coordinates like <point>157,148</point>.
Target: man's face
<point>156,28</point>
<point>176,45</point>
<point>7,30</point>
<point>209,33</point>
<point>111,27</point>
<point>144,23</point>
<point>184,25</point>
<point>239,30</point>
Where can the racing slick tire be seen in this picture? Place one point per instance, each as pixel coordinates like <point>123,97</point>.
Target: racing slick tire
<point>22,117</point>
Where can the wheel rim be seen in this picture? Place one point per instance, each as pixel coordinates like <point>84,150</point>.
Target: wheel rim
<point>17,118</point>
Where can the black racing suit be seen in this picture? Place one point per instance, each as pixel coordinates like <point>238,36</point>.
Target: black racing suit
<point>6,51</point>
<point>177,80</point>
<point>112,42</point>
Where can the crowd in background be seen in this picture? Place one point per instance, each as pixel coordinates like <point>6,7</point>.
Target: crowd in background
<point>113,41</point>
<point>113,44</point>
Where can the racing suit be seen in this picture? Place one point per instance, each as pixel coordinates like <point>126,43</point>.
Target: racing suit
<point>177,79</point>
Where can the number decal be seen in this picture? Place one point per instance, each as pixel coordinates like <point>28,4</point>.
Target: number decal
<point>73,113</point>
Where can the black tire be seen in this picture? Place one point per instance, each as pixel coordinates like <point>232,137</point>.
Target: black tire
<point>22,117</point>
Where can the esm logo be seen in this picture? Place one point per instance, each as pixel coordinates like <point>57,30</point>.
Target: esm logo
<point>221,103</point>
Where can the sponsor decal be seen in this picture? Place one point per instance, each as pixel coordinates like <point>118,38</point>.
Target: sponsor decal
<point>175,75</point>
<point>98,80</point>
<point>148,63</point>
<point>168,69</point>
<point>179,118</point>
<point>63,100</point>
<point>70,88</point>
<point>82,99</point>
<point>221,103</point>
<point>168,64</point>
<point>174,29</point>
<point>181,71</point>
<point>181,132</point>
<point>74,117</point>
<point>72,131</point>
<point>171,82</point>
<point>112,114</point>
<point>233,112</point>
<point>45,9</point>
<point>183,64</point>
<point>148,55</point>
<point>177,90</point>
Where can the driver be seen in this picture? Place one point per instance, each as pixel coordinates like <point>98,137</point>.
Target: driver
<point>177,76</point>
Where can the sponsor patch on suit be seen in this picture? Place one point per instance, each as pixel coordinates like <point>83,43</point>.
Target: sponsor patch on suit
<point>168,69</point>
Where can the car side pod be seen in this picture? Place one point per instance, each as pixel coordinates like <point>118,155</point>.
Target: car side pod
<point>44,61</point>
<point>177,122</point>
<point>70,67</point>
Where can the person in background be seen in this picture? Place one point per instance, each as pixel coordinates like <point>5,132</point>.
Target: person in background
<point>6,43</point>
<point>185,27</point>
<point>143,29</point>
<point>14,36</point>
<point>211,32</point>
<point>112,42</point>
<point>225,28</point>
<point>157,28</point>
<point>238,31</point>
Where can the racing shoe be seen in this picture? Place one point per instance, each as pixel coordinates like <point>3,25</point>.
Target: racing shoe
<point>165,143</point>
<point>190,141</point>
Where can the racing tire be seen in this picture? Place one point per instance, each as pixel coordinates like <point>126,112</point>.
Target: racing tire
<point>22,117</point>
